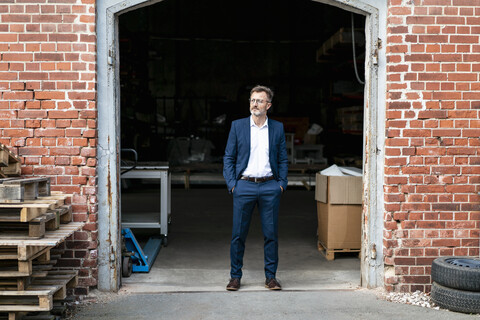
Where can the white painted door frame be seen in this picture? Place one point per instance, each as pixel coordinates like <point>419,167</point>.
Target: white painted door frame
<point>108,150</point>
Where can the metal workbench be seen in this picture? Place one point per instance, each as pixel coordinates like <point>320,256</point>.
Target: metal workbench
<point>160,219</point>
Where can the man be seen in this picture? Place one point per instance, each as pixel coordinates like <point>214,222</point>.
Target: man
<point>255,168</point>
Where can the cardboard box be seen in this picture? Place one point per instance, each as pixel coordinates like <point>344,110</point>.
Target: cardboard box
<point>339,211</point>
<point>310,139</point>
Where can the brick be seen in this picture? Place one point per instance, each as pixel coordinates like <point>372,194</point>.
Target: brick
<point>68,114</point>
<point>17,56</point>
<point>43,56</point>
<point>397,161</point>
<point>68,263</point>
<point>446,133</point>
<point>90,133</point>
<point>71,151</point>
<point>18,132</point>
<point>49,95</point>
<point>446,207</point>
<point>446,242</point>
<point>35,114</point>
<point>92,162</point>
<point>8,37</point>
<point>49,133</point>
<point>79,180</point>
<point>464,39</point>
<point>63,76</point>
<point>431,224</point>
<point>405,261</point>
<point>461,151</point>
<point>417,133</point>
<point>63,123</point>
<point>27,151</point>
<point>81,95</point>
<point>437,114</point>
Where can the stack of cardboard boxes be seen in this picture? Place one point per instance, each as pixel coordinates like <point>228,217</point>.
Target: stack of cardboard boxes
<point>339,211</point>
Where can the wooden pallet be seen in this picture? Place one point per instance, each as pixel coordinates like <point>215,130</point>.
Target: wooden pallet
<point>20,283</point>
<point>43,315</point>
<point>38,299</point>
<point>36,228</point>
<point>59,199</point>
<point>33,221</point>
<point>40,294</point>
<point>14,268</point>
<point>22,257</point>
<point>16,274</point>
<point>329,254</point>
<point>20,212</point>
<point>51,239</point>
<point>68,279</point>
<point>59,308</point>
<point>9,252</point>
<point>9,163</point>
<point>62,215</point>
<point>24,247</point>
<point>20,189</point>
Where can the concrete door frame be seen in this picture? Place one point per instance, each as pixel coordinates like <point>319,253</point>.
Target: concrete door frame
<point>108,150</point>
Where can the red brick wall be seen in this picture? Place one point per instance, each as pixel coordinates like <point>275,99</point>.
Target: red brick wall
<point>48,115</point>
<point>432,148</point>
<point>47,107</point>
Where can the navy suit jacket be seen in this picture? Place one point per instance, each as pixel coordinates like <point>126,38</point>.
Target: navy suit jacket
<point>237,152</point>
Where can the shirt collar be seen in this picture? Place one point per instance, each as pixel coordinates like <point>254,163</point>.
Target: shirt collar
<point>252,123</point>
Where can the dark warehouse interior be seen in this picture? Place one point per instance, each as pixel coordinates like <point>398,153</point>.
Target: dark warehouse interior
<point>187,68</point>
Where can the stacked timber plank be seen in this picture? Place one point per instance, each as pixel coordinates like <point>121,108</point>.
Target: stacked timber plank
<point>33,221</point>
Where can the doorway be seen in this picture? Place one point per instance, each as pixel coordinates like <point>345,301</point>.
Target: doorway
<point>209,102</point>
<point>186,74</point>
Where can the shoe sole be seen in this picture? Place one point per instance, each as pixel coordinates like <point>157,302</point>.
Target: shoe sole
<point>232,289</point>
<point>276,288</point>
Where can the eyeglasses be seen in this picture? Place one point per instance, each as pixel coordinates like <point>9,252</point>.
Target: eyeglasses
<point>259,101</point>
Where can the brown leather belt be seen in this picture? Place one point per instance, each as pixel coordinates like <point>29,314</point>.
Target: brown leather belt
<point>257,179</point>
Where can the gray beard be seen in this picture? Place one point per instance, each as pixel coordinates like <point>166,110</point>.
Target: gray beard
<point>256,113</point>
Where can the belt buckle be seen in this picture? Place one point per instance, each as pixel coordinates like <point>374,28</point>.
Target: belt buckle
<point>255,179</point>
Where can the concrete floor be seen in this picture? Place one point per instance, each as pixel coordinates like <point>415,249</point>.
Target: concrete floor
<point>266,305</point>
<point>197,256</point>
<point>189,277</point>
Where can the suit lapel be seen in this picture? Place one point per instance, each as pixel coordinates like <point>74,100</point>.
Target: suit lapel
<point>270,138</point>
<point>247,133</point>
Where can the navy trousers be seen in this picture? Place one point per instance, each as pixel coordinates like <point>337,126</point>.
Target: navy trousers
<point>247,195</point>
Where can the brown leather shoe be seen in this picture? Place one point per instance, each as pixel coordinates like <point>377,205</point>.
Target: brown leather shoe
<point>272,284</point>
<point>234,284</point>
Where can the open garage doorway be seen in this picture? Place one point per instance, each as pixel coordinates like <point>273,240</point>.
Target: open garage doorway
<point>186,69</point>
<point>109,136</point>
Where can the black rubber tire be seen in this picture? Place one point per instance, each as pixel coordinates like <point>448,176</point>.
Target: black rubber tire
<point>455,276</point>
<point>455,300</point>
<point>127,267</point>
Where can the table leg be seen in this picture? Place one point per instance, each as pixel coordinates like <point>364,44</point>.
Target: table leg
<point>164,203</point>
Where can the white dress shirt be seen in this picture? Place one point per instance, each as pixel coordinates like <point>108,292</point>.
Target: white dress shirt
<point>259,161</point>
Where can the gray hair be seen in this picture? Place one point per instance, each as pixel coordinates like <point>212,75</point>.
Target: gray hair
<point>267,90</point>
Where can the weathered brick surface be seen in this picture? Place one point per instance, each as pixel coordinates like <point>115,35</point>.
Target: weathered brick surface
<point>47,93</point>
<point>432,146</point>
<point>48,116</point>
